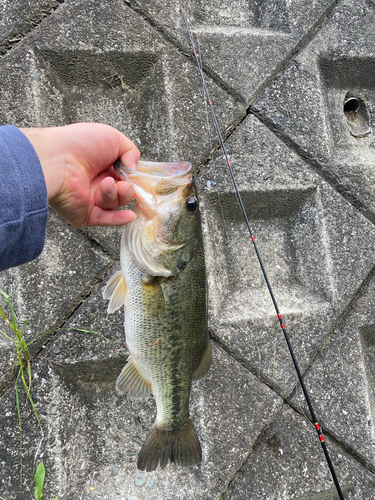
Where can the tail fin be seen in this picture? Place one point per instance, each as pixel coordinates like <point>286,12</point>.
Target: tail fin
<point>181,447</point>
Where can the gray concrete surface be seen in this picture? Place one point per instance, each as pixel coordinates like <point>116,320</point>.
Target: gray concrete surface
<point>279,74</point>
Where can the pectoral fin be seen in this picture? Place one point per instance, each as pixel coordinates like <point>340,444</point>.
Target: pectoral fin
<point>115,292</point>
<point>205,362</point>
<point>131,381</point>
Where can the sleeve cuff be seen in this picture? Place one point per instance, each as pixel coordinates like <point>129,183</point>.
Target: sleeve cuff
<point>23,200</point>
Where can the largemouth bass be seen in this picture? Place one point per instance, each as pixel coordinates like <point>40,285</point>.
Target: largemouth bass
<point>162,284</point>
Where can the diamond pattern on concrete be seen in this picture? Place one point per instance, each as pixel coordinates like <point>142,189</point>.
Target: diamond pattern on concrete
<point>241,43</point>
<point>305,104</point>
<point>307,235</point>
<point>341,381</point>
<point>47,290</point>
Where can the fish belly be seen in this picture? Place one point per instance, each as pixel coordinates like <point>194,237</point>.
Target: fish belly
<point>166,334</point>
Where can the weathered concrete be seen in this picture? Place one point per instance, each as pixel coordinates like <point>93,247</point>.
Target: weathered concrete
<point>306,177</point>
<point>288,464</point>
<point>95,434</point>
<point>88,62</point>
<point>308,237</point>
<point>341,381</point>
<point>47,290</point>
<point>305,104</point>
<point>242,43</point>
<point>19,17</point>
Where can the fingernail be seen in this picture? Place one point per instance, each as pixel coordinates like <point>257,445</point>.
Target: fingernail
<point>126,191</point>
<point>112,187</point>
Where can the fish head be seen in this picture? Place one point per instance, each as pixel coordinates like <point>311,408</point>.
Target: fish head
<point>166,233</point>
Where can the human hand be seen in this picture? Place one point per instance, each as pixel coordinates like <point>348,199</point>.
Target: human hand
<point>82,185</point>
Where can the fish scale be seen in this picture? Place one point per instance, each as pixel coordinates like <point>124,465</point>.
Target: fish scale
<point>169,351</point>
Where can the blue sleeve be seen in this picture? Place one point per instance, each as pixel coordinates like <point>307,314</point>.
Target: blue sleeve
<point>23,200</point>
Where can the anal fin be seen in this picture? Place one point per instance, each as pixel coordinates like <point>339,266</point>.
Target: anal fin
<point>205,363</point>
<point>131,381</point>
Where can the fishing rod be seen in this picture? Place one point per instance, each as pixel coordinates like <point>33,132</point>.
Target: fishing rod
<point>282,325</point>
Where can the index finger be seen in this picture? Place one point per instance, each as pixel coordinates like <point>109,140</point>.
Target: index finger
<point>128,153</point>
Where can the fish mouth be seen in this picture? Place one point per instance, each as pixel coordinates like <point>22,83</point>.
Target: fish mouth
<point>156,184</point>
<point>156,178</point>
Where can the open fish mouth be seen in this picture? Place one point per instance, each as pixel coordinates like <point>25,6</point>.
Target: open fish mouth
<point>156,178</point>
<point>158,187</point>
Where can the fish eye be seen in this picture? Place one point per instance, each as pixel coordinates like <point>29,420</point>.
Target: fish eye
<point>192,204</point>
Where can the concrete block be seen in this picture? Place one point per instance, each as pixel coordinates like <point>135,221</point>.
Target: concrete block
<point>47,290</point>
<point>243,44</point>
<point>91,61</point>
<point>322,103</point>
<point>93,435</point>
<point>341,382</point>
<point>122,63</point>
<point>307,235</point>
<point>19,17</point>
<point>117,69</point>
<point>288,463</point>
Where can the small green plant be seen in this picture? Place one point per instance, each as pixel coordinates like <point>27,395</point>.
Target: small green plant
<point>39,477</point>
<point>24,362</point>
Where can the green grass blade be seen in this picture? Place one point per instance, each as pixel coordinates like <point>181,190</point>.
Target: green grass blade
<point>7,336</point>
<point>19,417</point>
<point>65,328</point>
<point>39,477</point>
<point>24,328</point>
<point>44,334</point>
<point>5,317</point>
<point>11,309</point>
<point>87,331</point>
<point>29,395</point>
<point>19,355</point>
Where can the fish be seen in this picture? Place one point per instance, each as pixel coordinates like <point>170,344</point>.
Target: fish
<point>162,284</point>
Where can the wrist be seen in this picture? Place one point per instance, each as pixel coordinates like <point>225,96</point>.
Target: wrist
<point>46,144</point>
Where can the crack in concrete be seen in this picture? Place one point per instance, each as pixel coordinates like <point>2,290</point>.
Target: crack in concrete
<point>256,444</point>
<point>245,365</point>
<point>64,318</point>
<point>182,49</point>
<point>33,22</point>
<point>301,44</point>
<point>288,399</point>
<point>313,163</point>
<point>28,25</point>
<point>345,447</point>
<point>352,453</point>
<point>340,320</point>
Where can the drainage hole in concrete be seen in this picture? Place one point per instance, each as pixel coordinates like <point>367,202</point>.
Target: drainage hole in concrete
<point>357,114</point>
<point>351,106</point>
